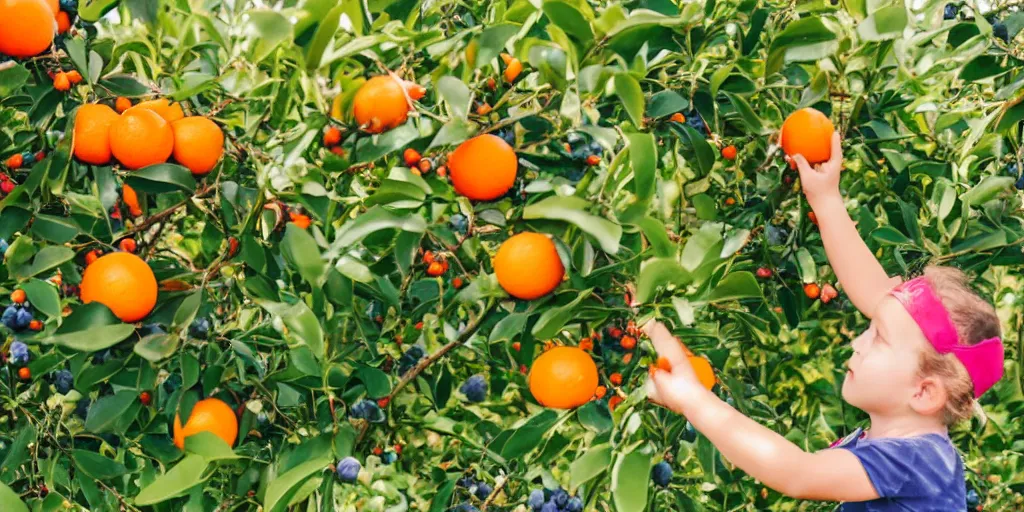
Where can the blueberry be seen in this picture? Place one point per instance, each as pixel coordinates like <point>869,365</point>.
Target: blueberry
<point>3,245</point>
<point>580,153</point>
<point>23,318</point>
<point>577,174</point>
<point>19,353</point>
<point>28,159</point>
<point>389,457</point>
<point>950,12</point>
<point>596,148</point>
<point>367,410</point>
<point>536,500</point>
<point>1012,169</point>
<point>549,507</point>
<point>459,223</point>
<point>466,481</point>
<point>82,408</point>
<point>262,418</point>
<point>464,507</point>
<point>999,30</point>
<point>560,497</point>
<point>973,500</point>
<point>1020,183</point>
<point>661,474</point>
<point>200,328</point>
<point>508,136</point>
<point>102,357</point>
<point>63,381</point>
<point>409,359</point>
<point>348,469</point>
<point>475,389</point>
<point>574,505</point>
<point>69,6</point>
<point>483,491</point>
<point>10,316</point>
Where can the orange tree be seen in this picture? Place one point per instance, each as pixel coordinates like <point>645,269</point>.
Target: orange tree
<point>331,326</point>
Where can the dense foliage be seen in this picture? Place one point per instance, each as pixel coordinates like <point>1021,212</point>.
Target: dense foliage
<point>292,277</point>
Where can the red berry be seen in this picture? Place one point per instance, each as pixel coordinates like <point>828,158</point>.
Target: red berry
<point>146,398</point>
<point>383,402</point>
<point>435,269</point>
<point>398,448</point>
<point>15,161</point>
<point>332,136</point>
<point>729,152</point>
<point>128,245</point>
<point>411,157</point>
<point>40,155</point>
<point>812,291</point>
<point>593,160</point>
<point>35,325</point>
<point>24,373</point>
<point>813,217</point>
<point>18,296</point>
<point>615,378</point>
<point>764,272</point>
<point>378,450</point>
<point>628,342</point>
<point>516,346</point>
<point>7,187</point>
<point>61,82</point>
<point>232,246</point>
<point>428,257</point>
<point>457,282</point>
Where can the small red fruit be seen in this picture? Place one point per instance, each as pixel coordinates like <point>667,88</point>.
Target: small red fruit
<point>628,342</point>
<point>764,272</point>
<point>146,398</point>
<point>91,256</point>
<point>729,201</point>
<point>74,76</point>
<point>729,152</point>
<point>586,344</point>
<point>7,187</point>
<point>397,448</point>
<point>828,292</point>
<point>24,373</point>
<point>383,402</point>
<point>338,151</point>
<point>61,81</point>
<point>522,369</point>
<point>457,282</point>
<point>435,269</point>
<point>491,83</point>
<point>614,402</point>
<point>378,450</point>
<point>628,358</point>
<point>232,247</point>
<point>15,161</point>
<point>483,109</point>
<point>424,166</point>
<point>332,137</point>
<point>442,172</point>
<point>40,155</point>
<point>419,325</point>
<point>615,332</point>
<point>412,157</point>
<point>121,104</point>
<point>593,160</point>
<point>18,296</point>
<point>35,325</point>
<point>677,118</point>
<point>128,245</point>
<point>615,378</point>
<point>812,291</point>
<point>428,257</point>
<point>516,346</point>
<point>600,392</point>
<point>299,219</point>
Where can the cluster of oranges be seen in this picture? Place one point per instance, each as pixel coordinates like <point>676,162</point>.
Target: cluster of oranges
<point>63,80</point>
<point>420,165</point>
<point>146,134</point>
<point>436,265</point>
<point>30,25</point>
<point>332,140</point>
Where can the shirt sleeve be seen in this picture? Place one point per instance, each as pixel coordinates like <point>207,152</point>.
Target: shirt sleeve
<point>903,468</point>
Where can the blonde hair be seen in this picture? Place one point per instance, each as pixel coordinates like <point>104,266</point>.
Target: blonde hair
<point>975,321</point>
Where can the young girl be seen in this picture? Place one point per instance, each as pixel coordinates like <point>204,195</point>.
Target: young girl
<point>932,348</point>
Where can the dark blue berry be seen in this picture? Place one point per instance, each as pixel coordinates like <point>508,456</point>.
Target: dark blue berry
<point>459,223</point>
<point>574,505</point>
<point>82,408</point>
<point>23,318</point>
<point>1020,183</point>
<point>596,148</point>
<point>10,317</point>
<point>367,410</point>
<point>475,389</point>
<point>63,381</point>
<point>536,500</point>
<point>508,136</point>
<point>950,12</point>
<point>348,469</point>
<point>549,507</point>
<point>409,359</point>
<point>483,491</point>
<point>999,30</point>
<point>104,356</point>
<point>389,457</point>
<point>200,328</point>
<point>19,353</point>
<point>661,474</point>
<point>465,507</point>
<point>1012,169</point>
<point>69,6</point>
<point>973,500</point>
<point>466,481</point>
<point>560,497</point>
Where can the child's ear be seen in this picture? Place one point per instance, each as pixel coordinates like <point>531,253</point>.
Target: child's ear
<point>930,397</point>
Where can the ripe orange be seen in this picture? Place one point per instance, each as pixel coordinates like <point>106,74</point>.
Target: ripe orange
<point>123,282</point>
<point>483,168</point>
<point>703,370</point>
<point>171,112</point>
<point>131,199</point>
<point>140,137</point>
<point>63,22</point>
<point>380,104</point>
<point>527,266</point>
<point>808,132</point>
<point>209,415</point>
<point>128,245</point>
<point>198,143</point>
<point>563,378</point>
<point>92,133</point>
<point>122,104</point>
<point>54,6</point>
<point>28,27</point>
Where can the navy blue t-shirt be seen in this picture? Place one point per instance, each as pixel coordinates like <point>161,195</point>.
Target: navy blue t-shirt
<point>919,474</point>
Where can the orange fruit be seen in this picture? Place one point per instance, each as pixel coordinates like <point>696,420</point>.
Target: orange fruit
<point>615,378</point>
<point>123,282</point>
<point>131,199</point>
<point>704,372</point>
<point>729,152</point>
<point>28,27</point>
<point>74,76</point>
<point>63,22</point>
<point>812,291</point>
<point>299,219</point>
<point>512,69</point>
<point>808,132</point>
<point>628,342</point>
<point>54,6</point>
<point>209,415</point>
<point>527,266</point>
<point>171,112</point>
<point>140,137</point>
<point>483,168</point>
<point>677,118</point>
<point>61,82</point>
<point>198,143</point>
<point>122,104</point>
<point>92,133</point>
<point>563,378</point>
<point>128,245</point>
<point>332,136</point>
<point>380,104</point>
<point>18,296</point>
<point>24,373</point>
<point>614,402</point>
<point>600,392</point>
<point>411,157</point>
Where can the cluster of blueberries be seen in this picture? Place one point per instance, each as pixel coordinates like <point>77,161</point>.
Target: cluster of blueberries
<point>693,120</point>
<point>544,500</point>
<point>367,410</point>
<point>410,358</point>
<point>475,389</point>
<point>17,317</point>
<point>998,27</point>
<point>475,487</point>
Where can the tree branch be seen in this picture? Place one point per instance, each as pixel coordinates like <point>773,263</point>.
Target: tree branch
<point>494,494</point>
<point>157,217</point>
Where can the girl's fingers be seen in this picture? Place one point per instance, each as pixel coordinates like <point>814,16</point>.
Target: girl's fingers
<point>837,150</point>
<point>804,167</point>
<point>665,344</point>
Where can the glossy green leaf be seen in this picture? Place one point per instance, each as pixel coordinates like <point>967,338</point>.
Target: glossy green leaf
<point>573,210</point>
<point>97,466</point>
<point>105,412</point>
<point>885,23</point>
<point>187,473</point>
<point>279,489</point>
<point>10,501</point>
<point>92,339</point>
<point>161,178</point>
<point>736,285</point>
<point>659,272</point>
<point>43,296</point>
<point>456,94</point>
<point>631,96</point>
<point>209,446</point>
<point>591,464</point>
<point>302,253</point>
<point>630,477</point>
<point>643,157</point>
<point>552,320</point>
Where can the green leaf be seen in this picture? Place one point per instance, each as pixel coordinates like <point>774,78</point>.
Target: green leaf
<point>105,412</point>
<point>573,209</point>
<point>509,328</point>
<point>325,31</point>
<point>157,347</point>
<point>632,97</point>
<point>657,235</point>
<point>43,297</point>
<point>804,33</point>
<point>161,178</point>
<point>594,461</point>
<point>54,229</point>
<point>12,79</point>
<point>96,465</point>
<point>524,439</point>
<point>456,94</point>
<point>666,103</point>
<point>186,474</point>
<point>17,452</point>
<point>704,156</point>
<point>890,235</point>
<point>658,272</point>
<point>267,30</point>
<point>210,446</point>
<point>375,219</point>
<point>808,270</point>
<point>453,132</point>
<point>376,382</point>
<point>281,487</point>
<point>736,285</point>
<point>492,42</point>
<point>439,503</point>
<point>302,324</point>
<point>124,85</point>
<point>10,501</point>
<point>747,114</point>
<point>986,190</point>
<point>569,19</point>
<point>92,339</point>
<point>885,23</point>
<point>552,320</point>
<point>643,157</point>
<point>630,476</point>
<point>302,253</point>
<point>48,258</point>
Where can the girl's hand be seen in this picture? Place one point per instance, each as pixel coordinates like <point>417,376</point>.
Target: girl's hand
<point>678,388</point>
<point>821,181</point>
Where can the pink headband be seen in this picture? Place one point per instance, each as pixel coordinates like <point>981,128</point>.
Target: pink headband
<point>984,361</point>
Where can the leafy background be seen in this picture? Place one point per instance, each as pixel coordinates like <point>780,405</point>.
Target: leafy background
<point>306,323</point>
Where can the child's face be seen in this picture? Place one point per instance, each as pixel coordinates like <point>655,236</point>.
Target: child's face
<point>882,374</point>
